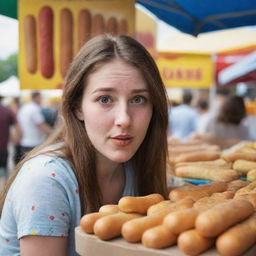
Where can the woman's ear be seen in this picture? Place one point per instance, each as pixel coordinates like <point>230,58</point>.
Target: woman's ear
<point>79,114</point>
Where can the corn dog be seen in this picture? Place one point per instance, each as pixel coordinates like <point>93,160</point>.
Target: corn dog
<point>244,166</point>
<point>158,207</point>
<point>236,240</point>
<point>88,220</point>
<point>158,237</point>
<point>208,173</point>
<point>109,208</point>
<point>197,192</point>
<point>217,219</point>
<point>132,230</point>
<point>192,243</point>
<point>110,226</point>
<point>139,204</point>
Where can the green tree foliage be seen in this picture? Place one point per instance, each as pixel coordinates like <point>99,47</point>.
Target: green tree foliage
<point>9,67</point>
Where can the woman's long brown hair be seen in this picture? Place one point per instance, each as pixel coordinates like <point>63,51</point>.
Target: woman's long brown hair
<point>149,162</point>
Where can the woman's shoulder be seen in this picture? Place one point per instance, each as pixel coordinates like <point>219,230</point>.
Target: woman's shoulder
<point>48,165</point>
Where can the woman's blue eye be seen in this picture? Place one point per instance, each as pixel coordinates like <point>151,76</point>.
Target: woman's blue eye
<point>104,99</point>
<point>138,99</point>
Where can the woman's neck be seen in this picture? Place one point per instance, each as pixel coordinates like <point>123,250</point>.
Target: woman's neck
<point>111,179</point>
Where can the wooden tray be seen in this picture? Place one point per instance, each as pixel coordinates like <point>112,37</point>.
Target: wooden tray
<point>90,245</point>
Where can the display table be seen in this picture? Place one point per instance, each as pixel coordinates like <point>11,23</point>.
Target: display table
<point>90,245</point>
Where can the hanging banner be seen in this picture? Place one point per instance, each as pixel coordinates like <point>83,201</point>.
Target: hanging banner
<point>52,32</point>
<point>182,70</point>
<point>236,65</point>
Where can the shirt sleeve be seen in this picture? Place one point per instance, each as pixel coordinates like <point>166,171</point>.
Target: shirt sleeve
<point>38,117</point>
<point>41,203</point>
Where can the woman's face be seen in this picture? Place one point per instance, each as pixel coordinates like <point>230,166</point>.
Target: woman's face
<point>116,110</point>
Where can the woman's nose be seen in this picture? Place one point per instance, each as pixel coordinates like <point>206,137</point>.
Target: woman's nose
<point>123,117</point>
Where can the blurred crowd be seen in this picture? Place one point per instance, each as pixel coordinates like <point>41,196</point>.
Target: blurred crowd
<point>224,121</point>
<point>23,126</point>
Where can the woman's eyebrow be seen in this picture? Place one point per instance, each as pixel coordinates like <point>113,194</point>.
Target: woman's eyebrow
<point>140,90</point>
<point>109,89</point>
<point>104,89</point>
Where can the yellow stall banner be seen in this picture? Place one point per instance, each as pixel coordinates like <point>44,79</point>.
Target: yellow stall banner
<point>183,70</point>
<point>51,32</point>
<point>146,30</point>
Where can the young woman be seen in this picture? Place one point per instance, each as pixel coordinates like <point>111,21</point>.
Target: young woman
<point>111,143</point>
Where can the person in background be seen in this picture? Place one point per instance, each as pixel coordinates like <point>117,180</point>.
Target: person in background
<point>183,118</point>
<point>202,107</point>
<point>33,125</point>
<point>51,112</point>
<point>111,143</point>
<point>227,128</point>
<point>15,106</point>
<point>7,121</point>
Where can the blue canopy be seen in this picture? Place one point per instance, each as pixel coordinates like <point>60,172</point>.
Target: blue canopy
<point>197,16</point>
<point>189,16</point>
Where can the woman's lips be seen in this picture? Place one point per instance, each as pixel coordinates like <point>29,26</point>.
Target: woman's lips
<point>121,141</point>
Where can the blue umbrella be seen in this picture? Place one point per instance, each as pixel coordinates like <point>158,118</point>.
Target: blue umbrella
<point>189,16</point>
<point>197,16</point>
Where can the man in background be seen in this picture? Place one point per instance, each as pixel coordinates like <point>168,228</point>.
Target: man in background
<point>33,125</point>
<point>183,118</point>
<point>7,121</point>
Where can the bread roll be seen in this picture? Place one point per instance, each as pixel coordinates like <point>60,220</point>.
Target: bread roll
<point>251,197</point>
<point>236,185</point>
<point>197,192</point>
<point>158,237</point>
<point>132,230</point>
<point>216,198</point>
<point>243,166</point>
<point>88,220</point>
<point>193,243</point>
<point>251,187</point>
<point>236,240</point>
<point>197,156</point>
<point>251,175</point>
<point>217,219</point>
<point>231,157</point>
<point>110,226</point>
<point>159,206</point>
<point>207,173</point>
<point>139,204</point>
<point>180,221</point>
<point>109,208</point>
<point>215,163</point>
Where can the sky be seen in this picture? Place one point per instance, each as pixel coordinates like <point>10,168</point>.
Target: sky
<point>9,36</point>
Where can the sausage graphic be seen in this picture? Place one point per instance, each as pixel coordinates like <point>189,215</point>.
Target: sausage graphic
<point>30,43</point>
<point>46,42</point>
<point>111,26</point>
<point>84,27</point>
<point>123,27</point>
<point>66,40</point>
<point>98,26</point>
